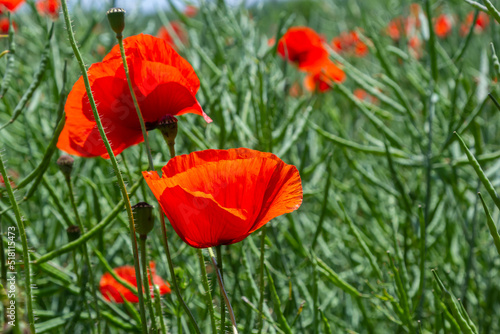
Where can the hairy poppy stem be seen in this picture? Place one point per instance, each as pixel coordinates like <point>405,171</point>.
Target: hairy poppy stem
<point>222,308</point>
<point>206,286</point>
<point>223,291</point>
<point>261,277</point>
<point>112,158</point>
<point>24,243</point>
<point>85,252</point>
<point>172,273</point>
<point>145,279</point>
<point>136,105</point>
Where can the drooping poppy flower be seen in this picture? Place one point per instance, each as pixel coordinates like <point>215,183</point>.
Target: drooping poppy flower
<point>164,83</point>
<point>304,47</point>
<point>48,8</point>
<point>219,197</point>
<point>175,27</point>
<point>113,291</point>
<point>443,25</point>
<point>481,24</point>
<point>322,80</point>
<point>190,11</point>
<point>10,5</point>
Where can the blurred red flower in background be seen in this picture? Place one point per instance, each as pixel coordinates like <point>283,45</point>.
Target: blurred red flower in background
<point>443,25</point>
<point>115,292</point>
<point>219,197</point>
<point>4,25</point>
<point>362,95</point>
<point>164,83</point>
<point>323,79</point>
<point>11,5</point>
<point>349,42</point>
<point>48,8</point>
<point>176,27</point>
<point>481,24</point>
<point>190,11</point>
<point>304,47</point>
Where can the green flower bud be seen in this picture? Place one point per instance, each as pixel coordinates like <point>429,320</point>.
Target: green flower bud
<point>116,18</point>
<point>73,232</point>
<point>65,163</point>
<point>168,128</point>
<point>144,220</point>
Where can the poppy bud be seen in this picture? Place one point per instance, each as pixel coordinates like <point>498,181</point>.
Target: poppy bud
<point>144,220</point>
<point>65,163</point>
<point>73,232</point>
<point>168,128</point>
<point>116,18</point>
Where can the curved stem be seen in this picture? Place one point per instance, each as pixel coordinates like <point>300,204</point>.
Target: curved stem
<point>136,105</point>
<point>145,279</point>
<point>261,277</point>
<point>172,273</point>
<point>24,243</point>
<point>85,253</point>
<point>206,286</point>
<point>112,158</point>
<point>223,290</point>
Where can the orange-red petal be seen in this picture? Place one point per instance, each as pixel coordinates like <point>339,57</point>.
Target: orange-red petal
<point>115,292</point>
<point>217,197</point>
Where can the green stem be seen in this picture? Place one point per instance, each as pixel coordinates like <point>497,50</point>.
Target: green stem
<point>172,273</point>
<point>134,98</point>
<point>206,286</point>
<point>261,276</point>
<point>145,279</point>
<point>112,158</point>
<point>222,308</point>
<point>222,290</point>
<point>85,252</point>
<point>158,308</point>
<point>24,243</point>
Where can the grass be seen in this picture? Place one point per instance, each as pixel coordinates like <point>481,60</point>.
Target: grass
<point>391,237</point>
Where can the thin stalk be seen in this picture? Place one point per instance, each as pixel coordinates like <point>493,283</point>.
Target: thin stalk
<point>261,276</point>
<point>158,308</point>
<point>172,273</point>
<point>136,105</point>
<point>222,308</point>
<point>145,279</point>
<point>223,290</point>
<point>85,252</point>
<point>24,243</point>
<point>112,158</point>
<point>206,286</point>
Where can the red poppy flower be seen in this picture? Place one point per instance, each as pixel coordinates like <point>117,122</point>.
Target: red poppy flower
<point>322,80</point>
<point>11,5</point>
<point>191,11</point>
<point>113,291</point>
<point>164,83</point>
<point>177,29</point>
<point>349,42</point>
<point>481,24</point>
<point>415,47</point>
<point>48,8</point>
<point>443,25</point>
<point>362,95</point>
<point>219,197</point>
<point>304,47</point>
<point>5,25</point>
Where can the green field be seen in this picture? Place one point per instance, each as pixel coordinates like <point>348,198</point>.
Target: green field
<point>399,162</point>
